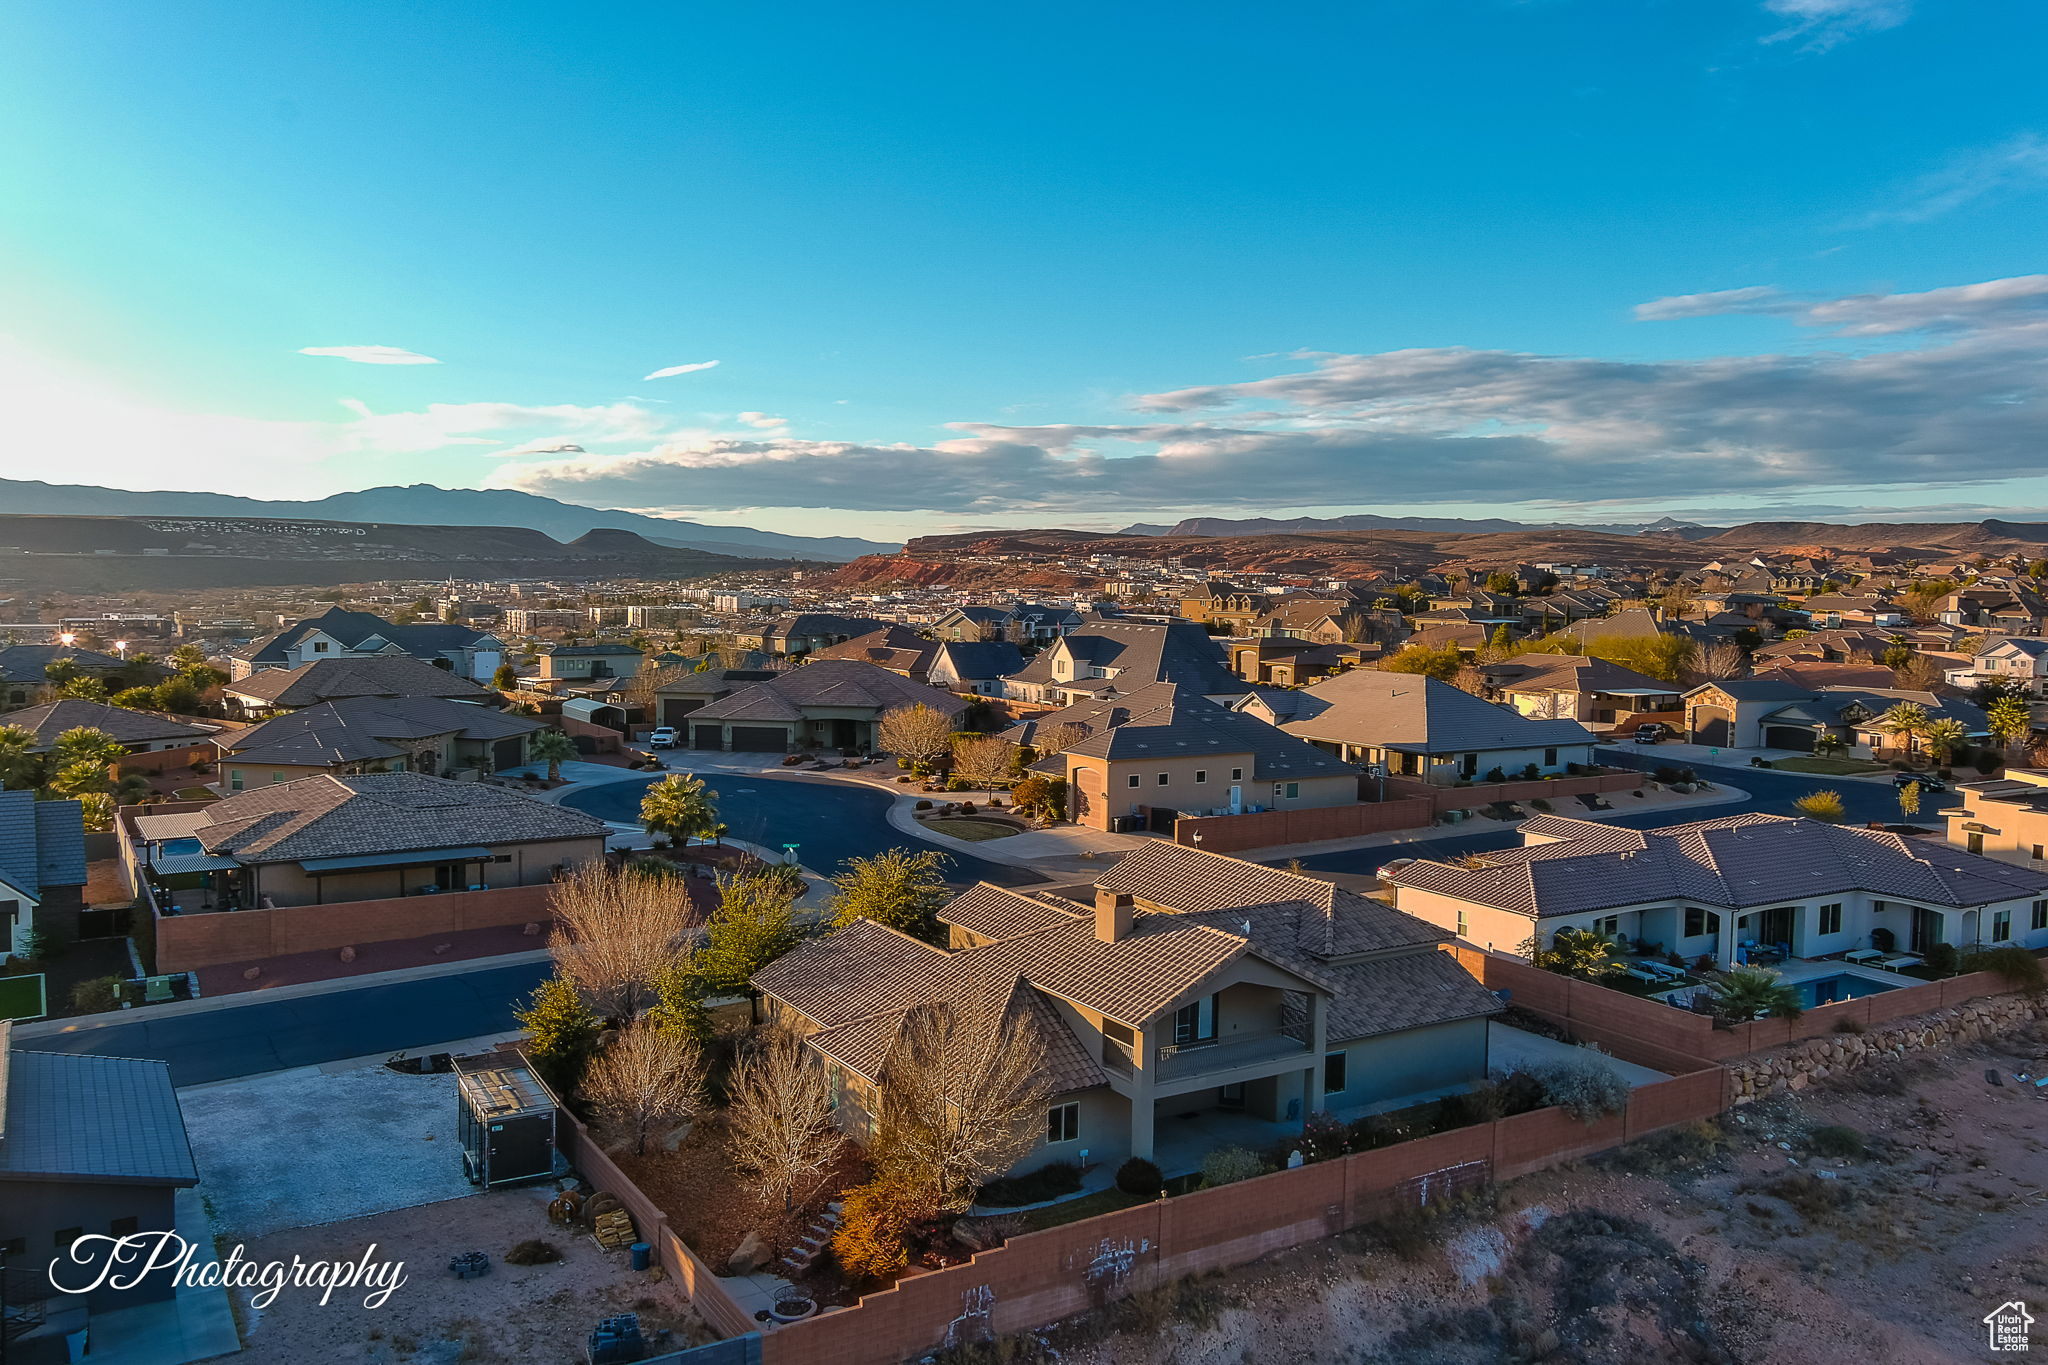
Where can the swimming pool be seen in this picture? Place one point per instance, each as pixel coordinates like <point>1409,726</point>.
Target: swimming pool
<point>1826,990</point>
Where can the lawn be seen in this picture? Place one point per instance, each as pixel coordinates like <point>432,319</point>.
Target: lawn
<point>1827,767</point>
<point>196,794</point>
<point>21,997</point>
<point>974,830</point>
<point>1074,1210</point>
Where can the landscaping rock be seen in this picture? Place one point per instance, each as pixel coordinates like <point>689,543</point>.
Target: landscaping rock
<point>750,1256</point>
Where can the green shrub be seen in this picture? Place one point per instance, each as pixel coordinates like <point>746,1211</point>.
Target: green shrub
<point>1140,1177</point>
<point>1942,959</point>
<point>97,995</point>
<point>1587,1090</point>
<point>1323,1137</point>
<point>1837,1139</point>
<point>2017,966</point>
<point>1033,1187</point>
<point>1227,1165</point>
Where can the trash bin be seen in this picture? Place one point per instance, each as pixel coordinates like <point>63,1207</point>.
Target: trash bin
<point>643,1255</point>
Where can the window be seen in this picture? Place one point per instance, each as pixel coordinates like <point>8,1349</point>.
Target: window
<point>319,646</point>
<point>1201,774</point>
<point>2001,926</point>
<point>1550,758</point>
<point>234,779</point>
<point>1831,919</point>
<point>276,777</point>
<point>1461,924</point>
<point>2037,853</point>
<point>1063,1122</point>
<point>2040,915</point>
<point>1165,779</point>
<point>124,1227</point>
<point>1134,779</point>
<point>1195,1023</point>
<point>1607,926</point>
<point>1698,921</point>
<point>1237,774</point>
<point>1333,1072</point>
<point>66,1236</point>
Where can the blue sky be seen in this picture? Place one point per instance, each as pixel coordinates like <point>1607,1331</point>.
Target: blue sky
<point>1058,264</point>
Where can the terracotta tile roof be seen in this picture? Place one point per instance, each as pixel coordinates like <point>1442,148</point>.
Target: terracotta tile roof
<point>859,971</point>
<point>395,675</point>
<point>330,816</point>
<point>1413,990</point>
<point>827,682</point>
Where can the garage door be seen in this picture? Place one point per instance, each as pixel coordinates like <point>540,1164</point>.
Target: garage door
<point>1710,726</point>
<point>708,737</point>
<point>1788,737</point>
<point>772,738</point>
<point>673,710</point>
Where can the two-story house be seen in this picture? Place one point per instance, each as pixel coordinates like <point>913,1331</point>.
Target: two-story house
<point>276,690</point>
<point>339,634</point>
<point>589,663</point>
<point>1124,656</point>
<point>1182,990</point>
<point>42,869</point>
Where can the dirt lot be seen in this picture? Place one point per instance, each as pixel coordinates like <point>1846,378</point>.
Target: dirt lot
<point>513,1314</point>
<point>1876,1217</point>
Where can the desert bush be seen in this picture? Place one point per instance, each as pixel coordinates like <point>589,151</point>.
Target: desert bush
<point>98,994</point>
<point>1586,1090</point>
<point>1693,1144</point>
<point>533,1251</point>
<point>1323,1137</point>
<point>873,1240</point>
<point>1141,1178</point>
<point>1033,1187</point>
<point>1227,1165</point>
<point>2017,966</point>
<point>1837,1139</point>
<point>1817,1200</point>
<point>923,803</point>
<point>1942,959</point>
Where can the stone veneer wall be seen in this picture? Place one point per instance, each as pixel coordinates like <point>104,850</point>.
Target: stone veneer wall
<point>1798,1065</point>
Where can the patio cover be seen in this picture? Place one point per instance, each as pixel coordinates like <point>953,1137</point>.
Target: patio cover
<point>416,858</point>
<point>176,864</point>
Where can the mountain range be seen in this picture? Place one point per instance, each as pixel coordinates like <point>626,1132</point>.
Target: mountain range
<point>424,504</point>
<point>1369,521</point>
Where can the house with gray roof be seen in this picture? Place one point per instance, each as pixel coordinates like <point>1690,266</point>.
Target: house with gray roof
<point>42,869</point>
<point>339,634</point>
<point>89,1147</point>
<point>368,836</point>
<point>1718,888</point>
<point>1419,727</point>
<point>1599,694</point>
<point>1775,713</point>
<point>977,666</point>
<point>825,704</point>
<point>1122,656</point>
<point>24,670</point>
<point>1165,750</point>
<point>140,732</point>
<point>1180,989</point>
<point>430,735</point>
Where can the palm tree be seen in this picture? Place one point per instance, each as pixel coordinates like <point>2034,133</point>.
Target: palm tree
<point>82,762</point>
<point>2010,720</point>
<point>20,765</point>
<point>553,748</point>
<point>1944,737</point>
<point>1908,719</point>
<point>681,808</point>
<point>1753,992</point>
<point>1583,953</point>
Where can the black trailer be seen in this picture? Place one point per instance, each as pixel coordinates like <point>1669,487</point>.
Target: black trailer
<point>506,1119</point>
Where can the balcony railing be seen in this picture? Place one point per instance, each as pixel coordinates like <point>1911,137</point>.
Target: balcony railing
<point>1176,1061</point>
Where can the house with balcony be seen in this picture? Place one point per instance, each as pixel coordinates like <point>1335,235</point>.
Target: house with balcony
<point>588,663</point>
<point>1123,656</point>
<point>1600,695</point>
<point>1182,998</point>
<point>1730,887</point>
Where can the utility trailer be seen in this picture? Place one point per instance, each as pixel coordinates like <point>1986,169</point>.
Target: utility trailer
<point>506,1119</point>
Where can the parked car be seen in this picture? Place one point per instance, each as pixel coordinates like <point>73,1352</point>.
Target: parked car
<point>1925,781</point>
<point>1393,865</point>
<point>1651,731</point>
<point>665,737</point>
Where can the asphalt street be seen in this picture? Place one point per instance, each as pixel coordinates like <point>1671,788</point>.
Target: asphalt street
<point>830,823</point>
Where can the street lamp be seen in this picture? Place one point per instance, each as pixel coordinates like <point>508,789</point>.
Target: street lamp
<point>121,648</point>
<point>67,638</point>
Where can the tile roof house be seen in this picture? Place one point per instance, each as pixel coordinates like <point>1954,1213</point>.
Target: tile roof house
<point>896,648</point>
<point>42,868</point>
<point>369,836</point>
<point>977,666</point>
<point>24,676</point>
<point>1713,886</point>
<point>828,703</point>
<point>1769,712</point>
<point>1164,751</point>
<point>88,1145</point>
<point>1123,656</point>
<point>1596,693</point>
<point>1283,661</point>
<point>339,634</point>
<point>804,632</point>
<point>288,689</point>
<point>429,735</point>
<point>141,732</point>
<point>1420,727</point>
<point>1178,984</point>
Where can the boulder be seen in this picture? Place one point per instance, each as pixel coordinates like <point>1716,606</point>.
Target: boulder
<point>751,1254</point>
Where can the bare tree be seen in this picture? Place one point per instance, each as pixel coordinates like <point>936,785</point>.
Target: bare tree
<point>964,1096</point>
<point>1554,706</point>
<point>1057,739</point>
<point>649,1080</point>
<point>1719,661</point>
<point>1921,674</point>
<point>985,761</point>
<point>617,934</point>
<point>919,733</point>
<point>780,1117</point>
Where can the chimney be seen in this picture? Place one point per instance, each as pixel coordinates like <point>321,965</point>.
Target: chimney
<point>1112,914</point>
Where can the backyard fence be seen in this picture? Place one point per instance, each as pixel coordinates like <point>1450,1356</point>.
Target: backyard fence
<point>1553,789</point>
<point>1276,828</point>
<point>186,943</point>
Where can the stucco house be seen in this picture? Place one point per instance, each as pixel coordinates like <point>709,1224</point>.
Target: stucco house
<point>1165,751</point>
<point>1180,990</point>
<point>829,703</point>
<point>276,690</point>
<point>430,735</point>
<point>1714,887</point>
<point>1419,727</point>
<point>339,634</point>
<point>24,670</point>
<point>1595,692</point>
<point>1122,656</point>
<point>371,836</point>
<point>139,732</point>
<point>588,663</point>
<point>896,648</point>
<point>1769,713</point>
<point>977,666</point>
<point>42,869</point>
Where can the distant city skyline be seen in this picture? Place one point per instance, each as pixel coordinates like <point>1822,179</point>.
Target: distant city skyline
<point>886,273</point>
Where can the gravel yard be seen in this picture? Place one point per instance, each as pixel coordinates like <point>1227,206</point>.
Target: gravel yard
<point>300,1148</point>
<point>537,1313</point>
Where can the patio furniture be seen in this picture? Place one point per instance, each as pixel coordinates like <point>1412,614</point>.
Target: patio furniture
<point>1901,960</point>
<point>1862,955</point>
<point>1639,974</point>
<point>1664,970</point>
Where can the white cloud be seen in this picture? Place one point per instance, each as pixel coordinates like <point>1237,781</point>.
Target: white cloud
<point>1756,298</point>
<point>2019,300</point>
<point>762,420</point>
<point>680,369</point>
<point>1818,25</point>
<point>2018,163</point>
<point>371,355</point>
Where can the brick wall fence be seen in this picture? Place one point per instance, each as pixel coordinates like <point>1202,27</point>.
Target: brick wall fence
<point>1554,790</point>
<point>1274,828</point>
<point>164,760</point>
<point>683,1265</point>
<point>1043,1276</point>
<point>187,942</point>
<point>1625,1024</point>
